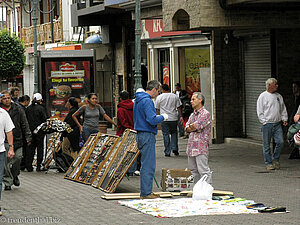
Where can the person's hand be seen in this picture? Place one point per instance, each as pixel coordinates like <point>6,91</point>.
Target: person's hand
<point>166,117</point>
<point>11,153</point>
<point>80,128</point>
<point>285,123</point>
<point>181,120</point>
<point>296,118</point>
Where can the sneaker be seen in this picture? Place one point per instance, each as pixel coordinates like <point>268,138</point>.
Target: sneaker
<point>151,196</point>
<point>16,181</point>
<point>7,188</point>
<point>1,212</point>
<point>276,165</point>
<point>270,167</point>
<point>137,173</point>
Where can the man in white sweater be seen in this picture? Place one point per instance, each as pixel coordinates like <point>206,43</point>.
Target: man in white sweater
<point>271,111</point>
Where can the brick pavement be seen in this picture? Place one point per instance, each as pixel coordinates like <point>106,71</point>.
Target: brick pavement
<point>47,198</point>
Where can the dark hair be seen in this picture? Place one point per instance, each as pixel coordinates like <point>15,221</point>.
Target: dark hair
<point>73,102</point>
<point>178,85</point>
<point>297,83</point>
<point>13,89</point>
<point>24,98</point>
<point>124,95</point>
<point>165,87</point>
<point>90,95</point>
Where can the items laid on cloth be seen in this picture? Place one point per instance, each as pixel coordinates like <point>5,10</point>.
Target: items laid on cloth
<point>202,190</point>
<point>187,207</point>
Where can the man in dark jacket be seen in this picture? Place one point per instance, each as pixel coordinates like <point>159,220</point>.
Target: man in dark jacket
<point>124,113</point>
<point>12,165</point>
<point>36,115</point>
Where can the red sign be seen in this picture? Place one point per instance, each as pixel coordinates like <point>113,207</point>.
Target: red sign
<point>154,29</point>
<point>77,86</point>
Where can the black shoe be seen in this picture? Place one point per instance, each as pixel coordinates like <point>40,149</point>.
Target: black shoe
<point>29,169</point>
<point>16,181</point>
<point>129,174</point>
<point>22,168</point>
<point>167,156</point>
<point>7,188</point>
<point>176,153</point>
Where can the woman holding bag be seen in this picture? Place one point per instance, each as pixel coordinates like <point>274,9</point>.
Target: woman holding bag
<point>91,115</point>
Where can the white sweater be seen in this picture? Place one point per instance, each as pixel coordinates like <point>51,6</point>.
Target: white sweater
<point>271,108</point>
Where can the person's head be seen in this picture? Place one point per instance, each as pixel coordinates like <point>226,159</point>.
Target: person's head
<point>197,100</point>
<point>271,85</point>
<point>72,103</point>
<point>153,88</point>
<point>37,98</point>
<point>178,87</point>
<point>24,100</point>
<point>124,95</point>
<point>14,91</point>
<point>296,87</point>
<point>6,99</point>
<point>165,88</point>
<point>92,98</point>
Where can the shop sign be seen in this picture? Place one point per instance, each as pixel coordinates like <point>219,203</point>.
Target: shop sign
<point>154,29</point>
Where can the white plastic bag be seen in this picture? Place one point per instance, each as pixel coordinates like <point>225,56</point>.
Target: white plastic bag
<point>202,190</point>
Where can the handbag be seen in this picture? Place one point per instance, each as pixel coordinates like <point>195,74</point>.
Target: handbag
<point>202,190</point>
<point>81,141</point>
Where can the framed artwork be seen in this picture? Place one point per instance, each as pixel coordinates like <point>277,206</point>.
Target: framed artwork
<point>54,145</point>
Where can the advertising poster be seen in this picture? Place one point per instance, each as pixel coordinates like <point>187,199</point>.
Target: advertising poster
<point>198,73</point>
<point>65,79</point>
<point>166,75</point>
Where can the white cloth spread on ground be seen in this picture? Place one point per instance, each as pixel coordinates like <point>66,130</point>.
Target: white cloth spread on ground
<point>180,207</point>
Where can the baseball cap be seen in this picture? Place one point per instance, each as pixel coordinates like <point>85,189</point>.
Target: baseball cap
<point>38,96</point>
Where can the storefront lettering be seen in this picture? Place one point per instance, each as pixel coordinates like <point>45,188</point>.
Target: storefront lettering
<point>157,27</point>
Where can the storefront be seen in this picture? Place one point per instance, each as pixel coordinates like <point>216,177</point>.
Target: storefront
<point>180,57</point>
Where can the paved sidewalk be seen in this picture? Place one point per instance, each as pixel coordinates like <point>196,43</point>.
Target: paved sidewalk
<point>47,198</point>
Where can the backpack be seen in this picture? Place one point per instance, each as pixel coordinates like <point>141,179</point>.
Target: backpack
<point>293,129</point>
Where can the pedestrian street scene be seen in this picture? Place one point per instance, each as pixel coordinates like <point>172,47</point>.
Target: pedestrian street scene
<point>149,111</point>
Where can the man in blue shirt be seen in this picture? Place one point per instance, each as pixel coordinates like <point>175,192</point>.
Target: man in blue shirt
<point>145,123</point>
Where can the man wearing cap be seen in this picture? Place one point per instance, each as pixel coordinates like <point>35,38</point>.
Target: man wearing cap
<point>6,127</point>
<point>21,130</point>
<point>36,115</point>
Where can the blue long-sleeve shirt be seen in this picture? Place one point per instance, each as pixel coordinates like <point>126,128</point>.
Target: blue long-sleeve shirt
<point>144,113</point>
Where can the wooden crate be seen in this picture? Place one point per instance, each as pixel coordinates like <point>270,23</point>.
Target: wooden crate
<point>176,180</point>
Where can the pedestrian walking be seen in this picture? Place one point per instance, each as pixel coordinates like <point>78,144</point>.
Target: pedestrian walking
<point>182,94</point>
<point>145,123</point>
<point>169,103</point>
<point>199,128</point>
<point>271,112</point>
<point>24,101</point>
<point>18,116</point>
<point>36,115</point>
<point>6,128</point>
